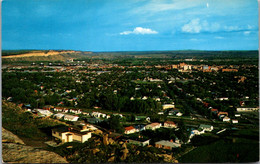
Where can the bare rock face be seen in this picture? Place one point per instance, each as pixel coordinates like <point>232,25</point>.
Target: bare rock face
<point>17,153</point>
<point>105,139</point>
<point>111,159</point>
<point>111,141</point>
<point>125,151</point>
<point>8,136</point>
<point>168,158</point>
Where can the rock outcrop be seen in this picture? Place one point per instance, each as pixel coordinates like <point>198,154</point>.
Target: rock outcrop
<point>8,136</point>
<point>15,151</point>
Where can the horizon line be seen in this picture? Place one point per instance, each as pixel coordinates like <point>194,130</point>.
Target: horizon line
<point>120,51</point>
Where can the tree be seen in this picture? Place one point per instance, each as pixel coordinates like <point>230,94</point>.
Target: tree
<point>114,124</point>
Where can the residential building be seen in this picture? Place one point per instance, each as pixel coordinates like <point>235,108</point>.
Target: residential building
<point>153,126</point>
<point>130,130</point>
<point>76,111</point>
<point>70,117</point>
<point>166,144</point>
<point>169,124</point>
<point>69,135</point>
<point>139,142</point>
<point>59,115</point>
<point>226,119</point>
<point>48,107</point>
<point>214,111</point>
<point>206,127</point>
<point>168,106</point>
<point>179,114</point>
<point>43,113</point>
<point>246,109</point>
<point>234,121</point>
<point>222,113</point>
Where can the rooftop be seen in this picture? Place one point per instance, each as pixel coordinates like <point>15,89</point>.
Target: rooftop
<point>168,143</point>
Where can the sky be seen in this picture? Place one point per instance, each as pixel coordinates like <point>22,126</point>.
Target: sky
<point>130,25</point>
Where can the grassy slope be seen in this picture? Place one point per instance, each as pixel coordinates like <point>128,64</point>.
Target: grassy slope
<point>24,124</point>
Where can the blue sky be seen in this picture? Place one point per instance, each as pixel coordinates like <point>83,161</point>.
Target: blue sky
<point>130,25</point>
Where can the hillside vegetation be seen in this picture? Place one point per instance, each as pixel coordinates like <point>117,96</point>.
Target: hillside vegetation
<point>24,124</point>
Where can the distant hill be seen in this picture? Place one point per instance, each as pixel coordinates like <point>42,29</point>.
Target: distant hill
<point>180,54</point>
<point>41,55</point>
<point>63,55</point>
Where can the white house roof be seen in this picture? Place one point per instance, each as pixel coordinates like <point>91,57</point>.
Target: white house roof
<point>42,111</point>
<point>168,143</point>
<point>59,115</point>
<point>70,117</point>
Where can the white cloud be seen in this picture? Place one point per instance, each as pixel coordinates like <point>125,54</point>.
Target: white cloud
<point>154,6</point>
<point>247,32</point>
<point>193,26</point>
<point>139,30</point>
<point>197,26</point>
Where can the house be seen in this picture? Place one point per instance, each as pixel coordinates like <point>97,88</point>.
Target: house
<point>48,107</point>
<point>153,126</point>
<point>242,103</point>
<point>139,142</point>
<point>129,130</point>
<point>214,111</point>
<point>66,134</point>
<point>234,121</point>
<point>222,113</point>
<point>166,144</point>
<point>60,109</point>
<point>246,109</point>
<point>145,98</point>
<point>70,117</point>
<point>76,111</point>
<point>226,119</point>
<point>43,113</point>
<point>85,113</point>
<point>196,132</point>
<point>59,115</point>
<point>169,124</point>
<point>98,114</point>
<point>168,106</point>
<point>205,104</point>
<point>179,114</point>
<point>206,127</point>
